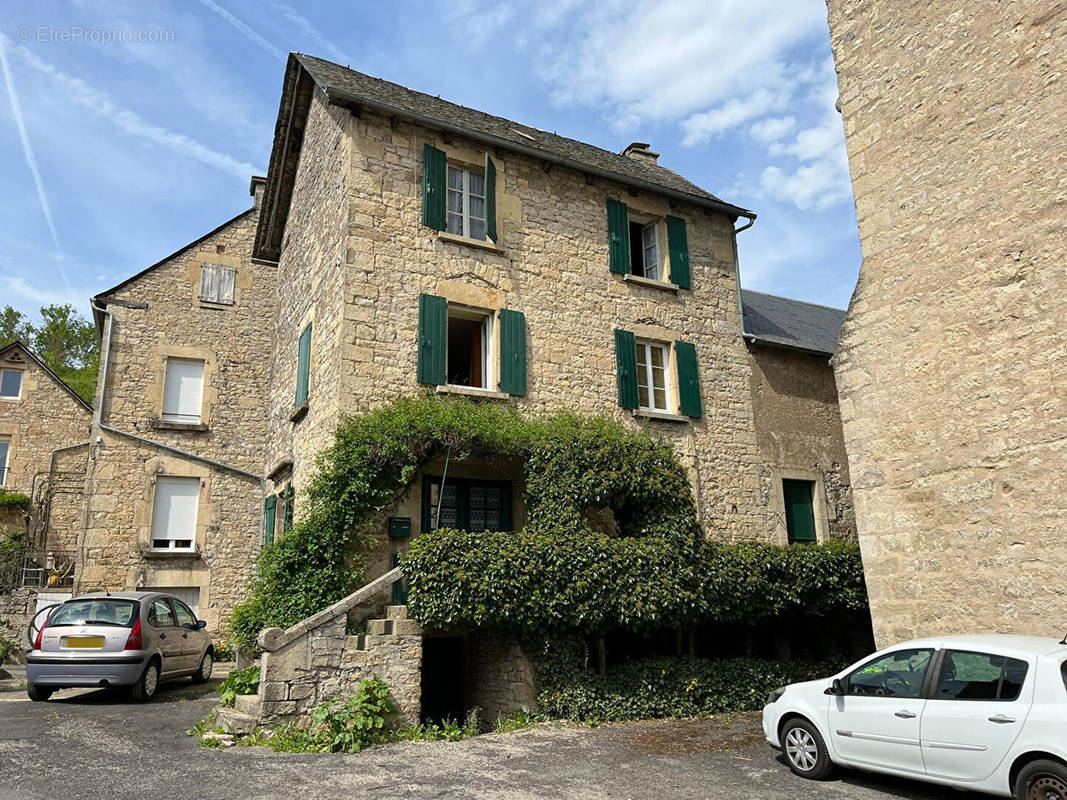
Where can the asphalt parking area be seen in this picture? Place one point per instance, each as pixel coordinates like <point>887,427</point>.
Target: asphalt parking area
<point>93,744</point>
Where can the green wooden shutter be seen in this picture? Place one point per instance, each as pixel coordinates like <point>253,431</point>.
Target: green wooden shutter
<point>287,520</point>
<point>678,247</point>
<point>618,238</point>
<point>799,499</point>
<point>512,352</point>
<point>626,368</point>
<point>688,380</point>
<point>269,505</point>
<point>434,183</point>
<point>433,334</point>
<point>490,199</point>
<point>303,367</point>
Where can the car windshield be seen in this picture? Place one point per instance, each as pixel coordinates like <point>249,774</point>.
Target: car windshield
<point>96,611</point>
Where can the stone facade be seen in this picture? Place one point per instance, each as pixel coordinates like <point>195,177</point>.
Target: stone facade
<point>156,316</point>
<point>951,361</point>
<point>44,427</point>
<point>500,678</point>
<point>798,428</point>
<point>359,282</point>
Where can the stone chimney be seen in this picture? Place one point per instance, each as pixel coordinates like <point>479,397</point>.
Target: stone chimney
<point>639,151</point>
<point>257,188</point>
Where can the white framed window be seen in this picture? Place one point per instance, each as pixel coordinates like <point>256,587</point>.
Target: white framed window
<point>11,383</point>
<point>646,260</point>
<point>5,452</point>
<point>466,203</point>
<point>174,512</point>
<point>469,357</point>
<point>183,390</point>
<point>653,388</point>
<point>216,284</point>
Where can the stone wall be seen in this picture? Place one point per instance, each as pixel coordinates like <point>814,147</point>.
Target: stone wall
<point>158,315</point>
<point>798,428</point>
<point>16,611</point>
<point>500,678</point>
<point>951,361</point>
<point>44,418</point>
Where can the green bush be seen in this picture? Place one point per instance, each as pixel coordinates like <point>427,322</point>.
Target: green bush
<point>447,731</point>
<point>7,647</point>
<point>240,681</point>
<point>14,500</point>
<point>667,687</point>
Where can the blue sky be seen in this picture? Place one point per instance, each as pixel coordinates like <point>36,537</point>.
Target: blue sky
<point>134,127</point>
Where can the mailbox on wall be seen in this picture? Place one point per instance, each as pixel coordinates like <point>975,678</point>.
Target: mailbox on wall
<point>399,527</point>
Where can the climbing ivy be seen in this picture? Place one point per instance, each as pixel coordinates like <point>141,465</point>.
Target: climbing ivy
<point>611,537</point>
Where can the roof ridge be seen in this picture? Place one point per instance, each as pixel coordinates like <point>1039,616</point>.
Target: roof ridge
<point>793,300</point>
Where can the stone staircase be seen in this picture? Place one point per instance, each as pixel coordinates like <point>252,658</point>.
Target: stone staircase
<point>391,649</point>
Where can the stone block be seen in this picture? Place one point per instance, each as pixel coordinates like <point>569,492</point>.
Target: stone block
<point>396,612</point>
<point>379,627</point>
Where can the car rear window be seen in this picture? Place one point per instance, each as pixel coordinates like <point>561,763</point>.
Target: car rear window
<point>98,611</point>
<point>980,676</point>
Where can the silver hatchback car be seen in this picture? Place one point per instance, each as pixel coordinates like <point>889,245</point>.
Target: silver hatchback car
<point>132,639</point>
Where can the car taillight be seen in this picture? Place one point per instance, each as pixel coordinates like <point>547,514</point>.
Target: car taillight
<point>133,641</point>
<point>40,634</point>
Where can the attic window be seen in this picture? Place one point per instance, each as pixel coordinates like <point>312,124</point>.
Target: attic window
<point>645,260</point>
<point>466,203</point>
<point>11,384</point>
<point>216,284</point>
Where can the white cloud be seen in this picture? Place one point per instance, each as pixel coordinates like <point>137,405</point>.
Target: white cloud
<point>131,123</point>
<point>773,128</point>
<point>19,289</point>
<point>701,127</point>
<point>811,186</point>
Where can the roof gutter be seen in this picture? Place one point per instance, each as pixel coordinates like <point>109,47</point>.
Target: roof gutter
<point>340,97</point>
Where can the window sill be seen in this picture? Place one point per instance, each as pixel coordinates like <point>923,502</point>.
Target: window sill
<point>299,412</point>
<point>482,244</point>
<point>212,304</point>
<point>651,284</point>
<point>472,391</point>
<point>194,554</point>
<point>167,425</point>
<point>660,416</point>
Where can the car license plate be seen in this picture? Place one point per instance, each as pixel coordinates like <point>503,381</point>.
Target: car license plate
<point>83,642</point>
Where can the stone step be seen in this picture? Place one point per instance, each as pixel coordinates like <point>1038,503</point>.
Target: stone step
<point>406,627</point>
<point>247,704</point>
<point>380,627</point>
<point>236,723</point>
<point>396,612</point>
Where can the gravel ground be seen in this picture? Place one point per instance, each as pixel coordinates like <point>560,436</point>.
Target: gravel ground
<point>93,744</point>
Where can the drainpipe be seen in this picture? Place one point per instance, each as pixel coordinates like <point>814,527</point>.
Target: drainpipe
<point>737,273</point>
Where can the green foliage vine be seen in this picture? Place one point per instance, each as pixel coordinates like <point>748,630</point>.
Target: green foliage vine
<point>611,536</point>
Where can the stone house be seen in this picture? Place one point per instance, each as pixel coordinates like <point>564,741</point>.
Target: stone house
<point>175,498</point>
<point>44,435</point>
<point>952,358</point>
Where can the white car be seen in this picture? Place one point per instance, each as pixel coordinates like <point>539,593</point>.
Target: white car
<point>987,713</point>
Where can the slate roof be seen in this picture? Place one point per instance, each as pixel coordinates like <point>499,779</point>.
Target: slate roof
<point>357,87</point>
<point>791,324</point>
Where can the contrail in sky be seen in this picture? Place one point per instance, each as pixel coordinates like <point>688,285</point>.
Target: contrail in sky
<point>248,32</point>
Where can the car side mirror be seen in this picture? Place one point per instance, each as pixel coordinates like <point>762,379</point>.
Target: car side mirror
<point>200,624</point>
<point>837,688</point>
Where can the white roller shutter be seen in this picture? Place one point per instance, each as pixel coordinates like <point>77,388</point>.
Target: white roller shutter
<point>183,393</point>
<point>174,513</point>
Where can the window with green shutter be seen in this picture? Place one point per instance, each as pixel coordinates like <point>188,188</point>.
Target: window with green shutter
<point>303,367</point>
<point>689,401</point>
<point>512,352</point>
<point>799,499</point>
<point>434,167</point>
<point>618,237</point>
<point>433,339</point>
<point>626,368</point>
<point>269,506</point>
<point>678,250</point>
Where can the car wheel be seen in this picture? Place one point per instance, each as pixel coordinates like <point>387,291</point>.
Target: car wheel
<point>204,673</point>
<point>805,750</point>
<point>146,685</point>
<point>38,693</point>
<point>1042,780</point>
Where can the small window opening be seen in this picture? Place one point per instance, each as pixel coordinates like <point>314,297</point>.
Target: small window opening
<point>644,250</point>
<point>468,349</point>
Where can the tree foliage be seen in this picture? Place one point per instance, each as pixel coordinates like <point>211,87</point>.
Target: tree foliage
<point>64,340</point>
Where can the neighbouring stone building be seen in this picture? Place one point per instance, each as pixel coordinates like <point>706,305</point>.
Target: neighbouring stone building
<point>44,435</point>
<point>952,358</point>
<point>175,499</point>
